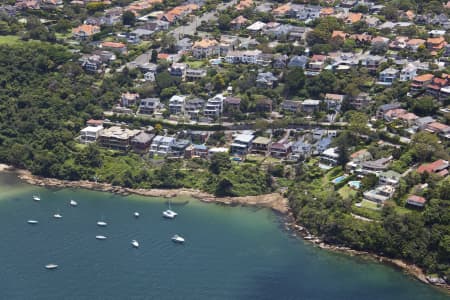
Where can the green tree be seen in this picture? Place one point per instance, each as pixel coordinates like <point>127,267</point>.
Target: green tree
<point>358,123</point>
<point>128,18</point>
<point>294,81</point>
<point>426,147</point>
<point>154,57</point>
<point>219,163</point>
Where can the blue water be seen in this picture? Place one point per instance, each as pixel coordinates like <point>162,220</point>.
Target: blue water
<point>355,184</point>
<point>230,253</point>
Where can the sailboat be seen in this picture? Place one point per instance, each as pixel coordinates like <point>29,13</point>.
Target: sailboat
<point>36,197</point>
<point>169,213</point>
<point>135,243</point>
<point>57,215</point>
<point>136,214</point>
<point>178,239</point>
<point>73,203</point>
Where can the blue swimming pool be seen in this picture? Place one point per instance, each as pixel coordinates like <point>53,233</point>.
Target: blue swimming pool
<point>339,179</point>
<point>355,184</point>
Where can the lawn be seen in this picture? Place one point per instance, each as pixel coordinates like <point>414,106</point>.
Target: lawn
<point>346,192</point>
<point>370,205</point>
<point>9,40</point>
<point>196,64</point>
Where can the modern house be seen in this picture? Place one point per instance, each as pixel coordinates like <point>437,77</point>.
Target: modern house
<point>128,99</point>
<point>90,134</point>
<point>161,145</point>
<point>387,76</point>
<point>214,106</point>
<point>205,48</point>
<point>375,166</point>
<point>310,106</point>
<point>280,149</point>
<point>149,106</point>
<point>389,178</point>
<point>178,70</point>
<point>177,104</point>
<point>241,144</point>
<point>408,72</point>
<point>380,194</point>
<point>117,138</point>
<point>360,102</point>
<point>329,158</point>
<point>291,105</point>
<point>85,31</point>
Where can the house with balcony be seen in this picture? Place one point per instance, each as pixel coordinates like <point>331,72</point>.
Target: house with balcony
<point>334,101</point>
<point>414,44</point>
<point>129,99</point>
<point>178,70</point>
<point>280,149</point>
<point>419,83</point>
<point>387,76</point>
<point>141,142</point>
<point>291,106</point>
<point>149,106</point>
<point>372,62</point>
<point>261,145</point>
<point>214,106</point>
<point>389,178</point>
<point>117,138</point>
<point>375,166</point>
<point>195,74</point>
<point>408,72</point>
<point>241,144</point>
<point>177,104</point>
<point>178,147</point>
<point>205,48</point>
<point>380,194</point>
<point>315,65</point>
<point>361,102</point>
<point>231,104</point>
<point>243,57</point>
<point>436,44</point>
<point>194,107</point>
<point>298,61</point>
<point>329,158</point>
<point>85,31</point>
<point>416,201</point>
<point>90,134</point>
<point>301,150</point>
<point>161,145</point>
<point>266,80</point>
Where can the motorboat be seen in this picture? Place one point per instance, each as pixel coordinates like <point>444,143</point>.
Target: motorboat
<point>57,216</point>
<point>100,237</point>
<point>136,214</point>
<point>73,203</point>
<point>51,266</point>
<point>32,222</point>
<point>36,198</point>
<point>178,239</point>
<point>135,243</point>
<point>170,214</point>
<point>102,224</point>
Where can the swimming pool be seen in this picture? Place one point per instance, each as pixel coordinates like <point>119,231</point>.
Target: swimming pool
<point>339,179</point>
<point>355,184</point>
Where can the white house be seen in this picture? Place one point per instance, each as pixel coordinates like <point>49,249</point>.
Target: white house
<point>177,104</point>
<point>90,134</point>
<point>387,76</point>
<point>214,106</point>
<point>408,72</point>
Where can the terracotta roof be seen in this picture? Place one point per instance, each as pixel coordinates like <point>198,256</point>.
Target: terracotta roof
<point>437,126</point>
<point>163,56</point>
<point>205,43</point>
<point>354,17</point>
<point>88,29</point>
<point>423,78</point>
<point>437,40</point>
<point>410,14</point>
<point>417,199</point>
<point>338,33</point>
<point>113,45</point>
<point>415,42</point>
<point>408,116</point>
<point>438,165</point>
<point>239,20</point>
<point>358,153</point>
<point>327,11</point>
<point>318,57</point>
<point>282,9</point>
<point>243,4</point>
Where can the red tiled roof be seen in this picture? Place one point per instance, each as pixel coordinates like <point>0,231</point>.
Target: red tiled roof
<point>432,167</point>
<point>417,199</point>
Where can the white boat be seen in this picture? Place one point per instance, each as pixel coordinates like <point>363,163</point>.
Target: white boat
<point>102,224</point>
<point>170,214</point>
<point>51,266</point>
<point>100,237</point>
<point>32,222</point>
<point>36,198</point>
<point>136,214</point>
<point>178,239</point>
<point>73,203</point>
<point>57,216</point>
<point>135,243</point>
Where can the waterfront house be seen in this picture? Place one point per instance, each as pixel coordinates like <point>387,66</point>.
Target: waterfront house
<point>241,144</point>
<point>161,145</point>
<point>178,147</point>
<point>280,149</point>
<point>260,145</point>
<point>117,138</point>
<point>141,142</point>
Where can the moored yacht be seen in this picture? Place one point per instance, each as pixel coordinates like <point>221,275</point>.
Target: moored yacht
<point>51,266</point>
<point>136,214</point>
<point>170,214</point>
<point>32,222</point>
<point>102,224</point>
<point>135,243</point>
<point>73,203</point>
<point>100,237</point>
<point>36,198</point>
<point>57,216</point>
<point>178,239</point>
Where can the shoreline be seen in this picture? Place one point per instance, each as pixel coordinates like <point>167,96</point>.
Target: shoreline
<point>274,201</point>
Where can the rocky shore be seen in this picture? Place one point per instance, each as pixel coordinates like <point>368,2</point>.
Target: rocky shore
<point>274,201</point>
<point>411,269</point>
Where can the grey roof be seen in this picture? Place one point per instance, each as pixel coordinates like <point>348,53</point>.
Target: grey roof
<point>143,138</point>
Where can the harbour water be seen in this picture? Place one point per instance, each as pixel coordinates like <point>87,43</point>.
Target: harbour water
<point>230,253</point>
